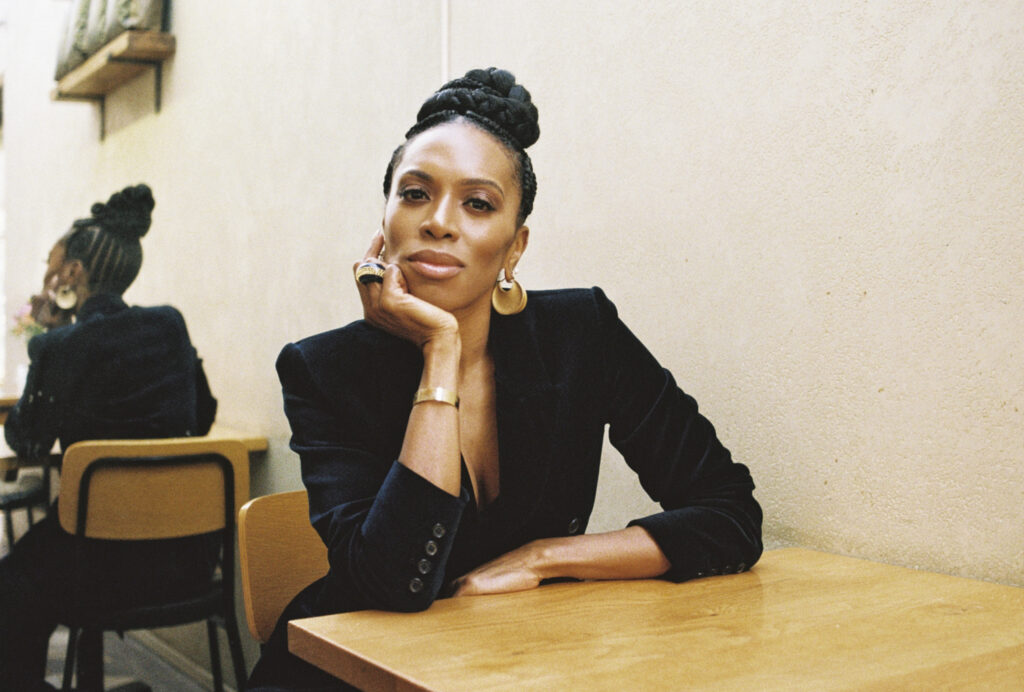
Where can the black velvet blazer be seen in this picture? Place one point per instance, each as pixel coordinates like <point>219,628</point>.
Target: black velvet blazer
<point>564,368</point>
<point>117,372</point>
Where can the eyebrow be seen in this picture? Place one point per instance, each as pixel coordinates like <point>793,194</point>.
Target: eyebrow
<point>426,177</point>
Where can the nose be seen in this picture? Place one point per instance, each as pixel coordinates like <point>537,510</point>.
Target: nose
<point>441,221</point>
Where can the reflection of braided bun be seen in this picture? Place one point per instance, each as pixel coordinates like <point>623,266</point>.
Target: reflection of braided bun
<point>491,94</point>
<point>127,213</point>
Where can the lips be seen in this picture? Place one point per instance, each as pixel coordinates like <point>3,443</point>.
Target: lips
<point>435,265</point>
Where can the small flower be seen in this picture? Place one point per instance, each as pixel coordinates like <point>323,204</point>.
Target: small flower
<point>25,325</point>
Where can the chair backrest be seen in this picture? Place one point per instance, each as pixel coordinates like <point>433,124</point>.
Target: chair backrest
<point>159,488</point>
<point>280,554</point>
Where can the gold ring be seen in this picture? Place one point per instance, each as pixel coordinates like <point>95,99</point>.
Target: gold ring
<point>370,272</point>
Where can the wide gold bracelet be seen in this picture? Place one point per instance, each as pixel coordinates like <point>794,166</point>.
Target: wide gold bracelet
<point>445,396</point>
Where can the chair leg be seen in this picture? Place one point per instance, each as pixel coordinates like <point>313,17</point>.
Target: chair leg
<point>69,659</point>
<point>9,529</point>
<point>218,674</point>
<point>90,660</point>
<point>235,643</point>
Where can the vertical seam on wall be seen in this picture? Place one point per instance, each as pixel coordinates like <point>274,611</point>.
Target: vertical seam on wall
<point>446,40</point>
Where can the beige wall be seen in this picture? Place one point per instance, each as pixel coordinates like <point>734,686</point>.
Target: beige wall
<point>812,216</point>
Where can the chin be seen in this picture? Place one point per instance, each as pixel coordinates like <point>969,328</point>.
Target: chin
<point>445,297</point>
<point>435,294</point>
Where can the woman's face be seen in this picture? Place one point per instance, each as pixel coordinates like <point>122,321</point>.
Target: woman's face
<point>450,220</point>
<point>54,264</point>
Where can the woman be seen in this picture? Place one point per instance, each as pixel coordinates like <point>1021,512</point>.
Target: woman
<point>112,372</point>
<point>451,440</point>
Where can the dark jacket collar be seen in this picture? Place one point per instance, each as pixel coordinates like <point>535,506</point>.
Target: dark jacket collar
<point>101,304</point>
<point>527,411</point>
<point>518,362</point>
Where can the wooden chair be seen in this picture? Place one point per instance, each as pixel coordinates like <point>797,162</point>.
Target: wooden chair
<point>155,477</point>
<point>280,554</point>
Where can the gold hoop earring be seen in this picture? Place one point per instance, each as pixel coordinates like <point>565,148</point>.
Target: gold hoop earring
<point>508,296</point>
<point>66,298</point>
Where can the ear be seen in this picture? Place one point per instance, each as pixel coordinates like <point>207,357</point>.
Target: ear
<point>516,249</point>
<point>74,273</point>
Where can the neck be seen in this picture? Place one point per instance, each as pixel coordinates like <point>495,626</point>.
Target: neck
<point>474,330</point>
<point>83,294</point>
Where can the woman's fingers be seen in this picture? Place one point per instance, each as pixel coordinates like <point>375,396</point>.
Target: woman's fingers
<point>388,304</point>
<point>376,245</point>
<point>368,275</point>
<point>516,570</point>
<point>370,257</point>
<point>493,581</point>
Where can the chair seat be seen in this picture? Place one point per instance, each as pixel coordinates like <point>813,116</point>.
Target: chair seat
<point>27,488</point>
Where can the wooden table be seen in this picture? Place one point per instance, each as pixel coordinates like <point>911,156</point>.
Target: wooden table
<point>7,402</point>
<point>800,620</point>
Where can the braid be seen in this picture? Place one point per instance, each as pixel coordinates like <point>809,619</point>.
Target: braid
<point>108,244</point>
<point>491,100</point>
<point>492,94</point>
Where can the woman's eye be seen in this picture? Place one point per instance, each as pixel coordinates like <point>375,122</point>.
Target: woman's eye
<point>412,193</point>
<point>480,204</point>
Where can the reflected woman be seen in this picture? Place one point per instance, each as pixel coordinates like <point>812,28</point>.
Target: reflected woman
<point>104,370</point>
<point>451,440</point>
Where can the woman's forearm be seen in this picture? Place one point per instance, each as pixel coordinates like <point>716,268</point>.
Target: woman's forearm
<point>626,554</point>
<point>431,443</point>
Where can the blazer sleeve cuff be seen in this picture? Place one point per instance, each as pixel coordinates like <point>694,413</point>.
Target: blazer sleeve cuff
<point>709,545</point>
<point>413,523</point>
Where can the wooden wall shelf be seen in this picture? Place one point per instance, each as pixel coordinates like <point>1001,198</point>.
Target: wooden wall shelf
<point>116,63</point>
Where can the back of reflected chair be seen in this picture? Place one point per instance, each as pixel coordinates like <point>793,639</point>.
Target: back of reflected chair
<point>154,489</point>
<point>280,554</point>
<point>143,489</point>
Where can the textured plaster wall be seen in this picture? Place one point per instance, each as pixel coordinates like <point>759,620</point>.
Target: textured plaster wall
<point>810,212</point>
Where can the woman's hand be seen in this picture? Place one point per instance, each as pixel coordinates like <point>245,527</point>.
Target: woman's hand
<point>390,306</point>
<point>629,553</point>
<point>46,313</point>
<point>44,305</point>
<point>517,570</point>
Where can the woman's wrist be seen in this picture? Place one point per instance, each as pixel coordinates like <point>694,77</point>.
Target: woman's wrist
<point>444,343</point>
<point>441,356</point>
<point>629,553</point>
<point>550,557</point>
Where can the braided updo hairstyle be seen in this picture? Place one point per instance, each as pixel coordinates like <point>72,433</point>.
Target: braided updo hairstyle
<point>491,100</point>
<point>107,243</point>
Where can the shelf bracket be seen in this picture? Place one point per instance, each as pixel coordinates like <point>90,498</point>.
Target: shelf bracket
<point>122,59</point>
<point>158,74</point>
<point>101,99</point>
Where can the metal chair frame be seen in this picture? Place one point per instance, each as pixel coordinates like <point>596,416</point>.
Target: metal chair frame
<point>216,605</point>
